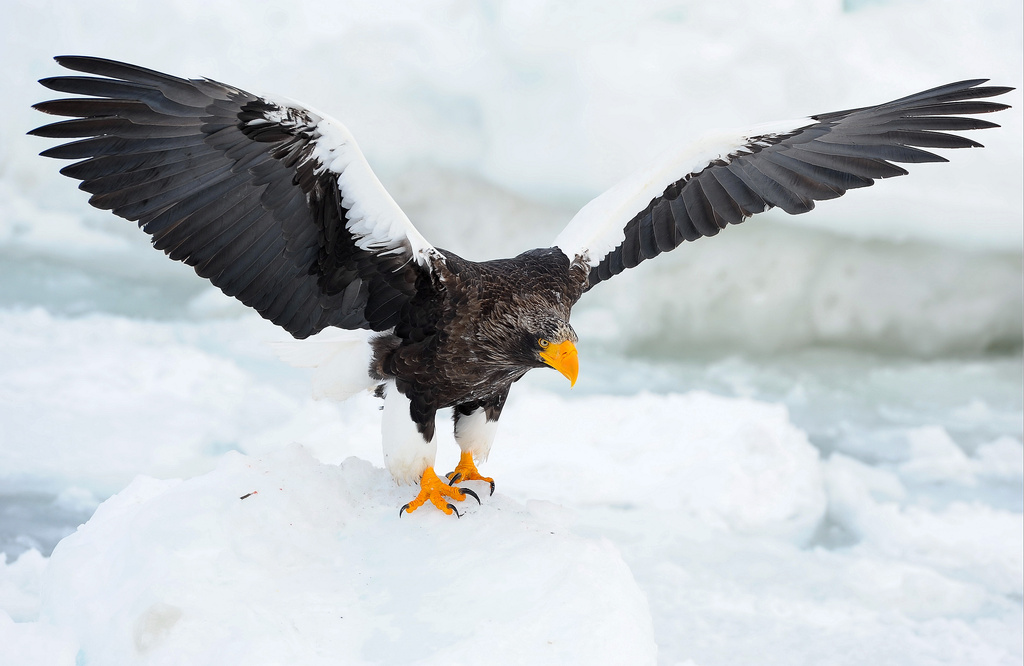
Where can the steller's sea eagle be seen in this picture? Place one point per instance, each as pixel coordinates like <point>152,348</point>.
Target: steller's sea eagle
<point>275,204</point>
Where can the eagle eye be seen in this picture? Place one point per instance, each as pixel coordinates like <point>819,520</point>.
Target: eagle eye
<point>543,343</point>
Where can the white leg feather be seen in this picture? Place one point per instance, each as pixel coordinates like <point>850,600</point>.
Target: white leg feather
<point>406,453</point>
<point>475,434</point>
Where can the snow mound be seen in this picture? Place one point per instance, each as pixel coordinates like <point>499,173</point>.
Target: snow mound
<point>732,463</point>
<point>315,565</point>
<point>972,542</point>
<point>31,643</point>
<point>19,585</point>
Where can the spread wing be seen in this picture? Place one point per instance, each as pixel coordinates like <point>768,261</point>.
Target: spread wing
<point>272,202</point>
<point>728,177</point>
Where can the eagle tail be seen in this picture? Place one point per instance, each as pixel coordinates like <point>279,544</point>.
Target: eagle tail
<point>341,360</point>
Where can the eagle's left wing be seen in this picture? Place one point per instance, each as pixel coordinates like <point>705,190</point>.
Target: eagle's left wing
<point>731,176</point>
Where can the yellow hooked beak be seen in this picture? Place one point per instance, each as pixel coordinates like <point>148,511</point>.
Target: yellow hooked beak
<point>563,357</point>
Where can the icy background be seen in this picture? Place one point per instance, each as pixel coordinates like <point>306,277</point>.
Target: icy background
<point>796,443</point>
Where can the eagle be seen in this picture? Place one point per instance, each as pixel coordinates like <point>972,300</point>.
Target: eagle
<point>274,203</point>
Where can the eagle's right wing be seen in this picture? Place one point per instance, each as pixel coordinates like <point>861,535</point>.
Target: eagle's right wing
<point>272,202</point>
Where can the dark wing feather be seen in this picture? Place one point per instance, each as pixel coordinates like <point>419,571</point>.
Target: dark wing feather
<point>247,191</point>
<point>789,166</point>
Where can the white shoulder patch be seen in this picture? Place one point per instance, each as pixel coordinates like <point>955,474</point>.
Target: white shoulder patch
<point>598,228</point>
<point>374,218</point>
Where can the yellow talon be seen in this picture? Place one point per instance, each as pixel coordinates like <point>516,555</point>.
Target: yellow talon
<point>438,492</point>
<point>466,471</point>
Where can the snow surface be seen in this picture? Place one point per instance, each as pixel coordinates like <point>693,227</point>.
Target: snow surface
<point>316,566</point>
<point>794,443</point>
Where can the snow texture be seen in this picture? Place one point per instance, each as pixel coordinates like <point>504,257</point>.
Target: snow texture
<point>315,566</point>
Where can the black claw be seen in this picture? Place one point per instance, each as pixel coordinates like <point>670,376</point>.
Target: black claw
<point>454,478</point>
<point>402,510</point>
<point>467,491</point>
<point>457,514</point>
<point>492,487</point>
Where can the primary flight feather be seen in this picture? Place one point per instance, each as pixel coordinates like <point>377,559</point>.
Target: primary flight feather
<point>276,205</point>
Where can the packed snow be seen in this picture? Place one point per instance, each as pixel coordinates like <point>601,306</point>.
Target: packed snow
<point>799,442</point>
<point>344,580</point>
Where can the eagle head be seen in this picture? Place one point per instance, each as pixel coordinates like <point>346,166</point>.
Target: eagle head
<point>551,341</point>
